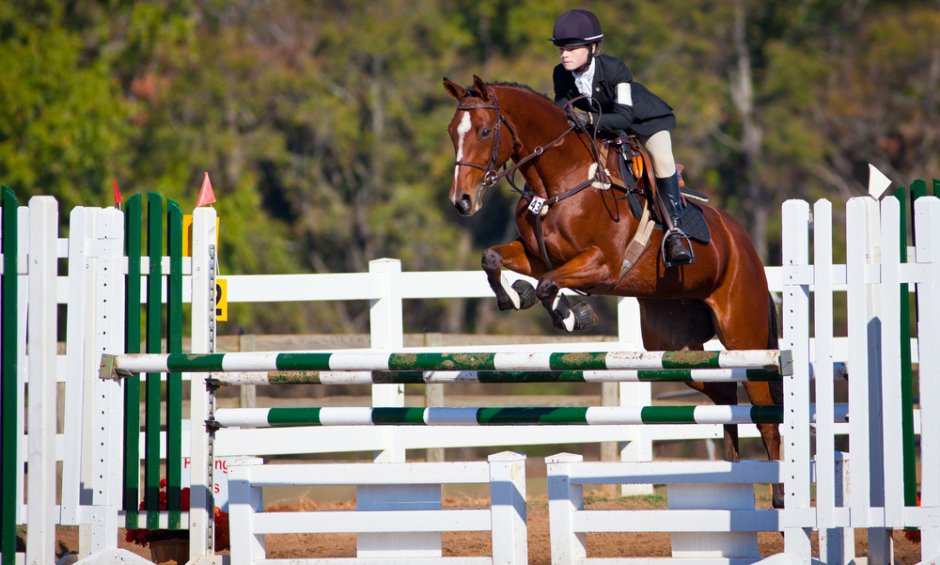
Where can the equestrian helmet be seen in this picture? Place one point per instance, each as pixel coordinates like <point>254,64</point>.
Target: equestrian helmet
<point>576,27</point>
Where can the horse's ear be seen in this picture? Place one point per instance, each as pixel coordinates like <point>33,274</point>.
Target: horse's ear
<point>480,87</point>
<point>454,89</point>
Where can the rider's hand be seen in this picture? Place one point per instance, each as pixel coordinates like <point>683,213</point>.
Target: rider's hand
<point>582,120</point>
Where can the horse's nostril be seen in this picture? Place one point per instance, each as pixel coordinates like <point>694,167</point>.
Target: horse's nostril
<point>464,203</point>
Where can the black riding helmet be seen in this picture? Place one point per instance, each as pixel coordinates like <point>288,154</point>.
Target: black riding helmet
<point>576,27</point>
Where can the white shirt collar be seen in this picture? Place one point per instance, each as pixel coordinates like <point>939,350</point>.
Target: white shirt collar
<point>585,81</point>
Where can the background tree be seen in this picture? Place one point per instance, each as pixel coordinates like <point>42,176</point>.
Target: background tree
<point>323,124</point>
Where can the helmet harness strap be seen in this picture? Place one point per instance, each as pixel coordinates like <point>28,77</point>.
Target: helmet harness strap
<point>592,47</point>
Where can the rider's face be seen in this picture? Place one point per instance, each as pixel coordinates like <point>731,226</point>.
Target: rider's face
<point>573,56</point>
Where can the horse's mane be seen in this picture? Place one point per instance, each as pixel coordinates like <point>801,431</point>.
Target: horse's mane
<point>524,87</point>
<point>516,86</point>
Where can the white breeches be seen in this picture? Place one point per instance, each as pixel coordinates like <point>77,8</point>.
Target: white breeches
<point>659,146</point>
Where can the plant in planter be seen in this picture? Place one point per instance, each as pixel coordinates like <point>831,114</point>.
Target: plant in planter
<point>161,541</point>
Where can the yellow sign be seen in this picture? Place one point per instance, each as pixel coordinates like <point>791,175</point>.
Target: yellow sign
<point>187,235</point>
<point>221,300</point>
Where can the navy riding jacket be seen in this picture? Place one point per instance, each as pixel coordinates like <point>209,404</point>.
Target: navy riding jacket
<point>625,105</point>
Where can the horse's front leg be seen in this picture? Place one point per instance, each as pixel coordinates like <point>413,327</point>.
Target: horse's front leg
<point>513,256</point>
<point>589,269</point>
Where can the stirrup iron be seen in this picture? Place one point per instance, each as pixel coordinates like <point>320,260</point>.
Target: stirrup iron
<point>685,242</point>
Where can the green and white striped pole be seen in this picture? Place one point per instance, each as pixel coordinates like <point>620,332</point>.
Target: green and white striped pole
<point>114,365</point>
<point>238,378</point>
<point>496,416</point>
<point>446,377</point>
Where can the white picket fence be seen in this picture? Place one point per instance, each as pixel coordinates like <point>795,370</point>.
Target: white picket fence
<point>390,529</point>
<point>721,529</point>
<point>90,448</point>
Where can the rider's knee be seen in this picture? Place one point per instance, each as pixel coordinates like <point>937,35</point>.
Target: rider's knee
<point>659,146</point>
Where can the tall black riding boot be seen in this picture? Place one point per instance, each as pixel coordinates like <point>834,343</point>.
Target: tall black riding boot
<point>677,250</point>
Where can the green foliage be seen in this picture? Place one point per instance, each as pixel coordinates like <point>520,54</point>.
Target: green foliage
<point>63,120</point>
<point>323,125</point>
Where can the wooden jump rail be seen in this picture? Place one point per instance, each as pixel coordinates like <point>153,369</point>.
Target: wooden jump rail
<point>113,366</point>
<point>490,377</point>
<point>239,378</point>
<point>495,416</point>
<point>501,416</point>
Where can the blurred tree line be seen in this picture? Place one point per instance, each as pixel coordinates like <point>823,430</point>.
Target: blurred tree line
<point>323,124</point>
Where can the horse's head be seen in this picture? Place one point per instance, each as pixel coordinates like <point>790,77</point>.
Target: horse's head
<point>481,149</point>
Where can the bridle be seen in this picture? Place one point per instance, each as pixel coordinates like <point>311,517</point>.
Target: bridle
<point>490,173</point>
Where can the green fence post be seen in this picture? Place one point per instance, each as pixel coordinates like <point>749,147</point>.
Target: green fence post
<point>131,479</point>
<point>918,188</point>
<point>8,392</point>
<point>154,337</point>
<point>174,392</point>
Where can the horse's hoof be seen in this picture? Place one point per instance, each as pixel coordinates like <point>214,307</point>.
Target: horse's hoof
<point>526,293</point>
<point>584,316</point>
<point>562,316</point>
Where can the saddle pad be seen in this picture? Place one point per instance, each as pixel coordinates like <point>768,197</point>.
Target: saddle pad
<point>693,223</point>
<point>692,220</point>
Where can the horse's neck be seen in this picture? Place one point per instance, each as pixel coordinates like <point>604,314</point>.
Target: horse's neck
<point>558,169</point>
<point>535,183</point>
<point>551,173</point>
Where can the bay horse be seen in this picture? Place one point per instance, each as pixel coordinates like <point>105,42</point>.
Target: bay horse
<point>576,234</point>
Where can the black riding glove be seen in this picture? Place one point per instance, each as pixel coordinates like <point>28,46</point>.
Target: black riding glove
<point>581,120</point>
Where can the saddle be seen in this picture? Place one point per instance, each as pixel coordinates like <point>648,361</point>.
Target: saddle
<point>628,166</point>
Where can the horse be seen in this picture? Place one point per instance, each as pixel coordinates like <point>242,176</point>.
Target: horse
<point>575,231</point>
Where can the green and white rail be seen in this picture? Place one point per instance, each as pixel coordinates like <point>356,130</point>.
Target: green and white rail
<point>495,416</point>
<point>770,360</point>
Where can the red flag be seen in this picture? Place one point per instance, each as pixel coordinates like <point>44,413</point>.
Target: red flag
<point>117,193</point>
<point>206,196</point>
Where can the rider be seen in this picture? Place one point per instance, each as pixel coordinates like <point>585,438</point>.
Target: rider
<point>616,103</point>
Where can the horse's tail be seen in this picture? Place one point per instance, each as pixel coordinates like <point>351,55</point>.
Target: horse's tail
<point>773,342</point>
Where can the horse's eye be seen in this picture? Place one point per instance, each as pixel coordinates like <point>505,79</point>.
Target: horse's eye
<point>485,132</point>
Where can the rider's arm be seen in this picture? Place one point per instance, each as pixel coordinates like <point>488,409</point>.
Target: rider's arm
<point>620,115</point>
<point>563,84</point>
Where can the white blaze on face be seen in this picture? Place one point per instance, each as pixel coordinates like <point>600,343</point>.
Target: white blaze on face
<point>462,130</point>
